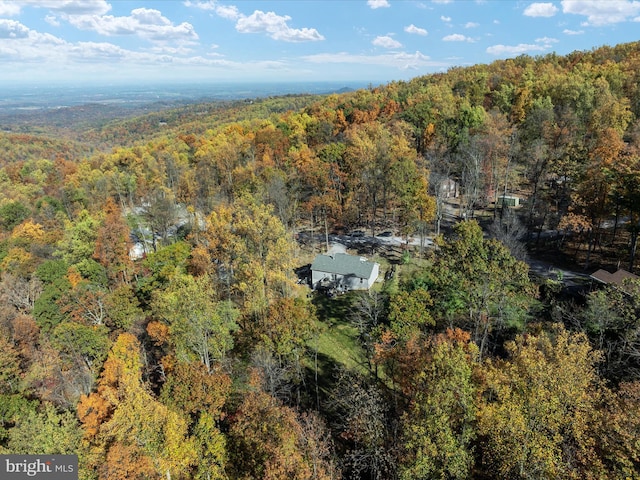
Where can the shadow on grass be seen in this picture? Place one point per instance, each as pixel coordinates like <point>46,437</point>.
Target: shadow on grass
<point>335,348</point>
<point>320,380</point>
<point>333,310</point>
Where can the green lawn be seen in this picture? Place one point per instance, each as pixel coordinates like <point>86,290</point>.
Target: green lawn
<point>337,343</point>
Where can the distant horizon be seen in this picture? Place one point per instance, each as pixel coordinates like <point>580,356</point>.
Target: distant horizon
<point>139,84</point>
<point>29,98</point>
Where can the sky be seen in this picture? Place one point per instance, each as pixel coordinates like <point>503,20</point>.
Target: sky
<point>373,41</point>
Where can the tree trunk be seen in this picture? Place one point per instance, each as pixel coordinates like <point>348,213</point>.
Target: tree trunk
<point>633,247</point>
<point>326,229</point>
<point>590,247</point>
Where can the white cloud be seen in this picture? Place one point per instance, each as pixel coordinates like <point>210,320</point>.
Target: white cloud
<point>386,42</point>
<point>541,10</point>
<point>456,37</point>
<point>52,20</point>
<point>603,12</point>
<point>542,44</point>
<point>415,30</point>
<point>47,51</point>
<point>9,9</point>
<point>471,25</point>
<point>12,29</point>
<point>378,4</point>
<point>212,53</point>
<point>566,31</point>
<point>202,5</point>
<point>70,7</point>
<point>402,60</point>
<point>98,51</point>
<point>260,22</point>
<point>148,16</point>
<point>146,23</point>
<point>445,19</point>
<point>276,27</point>
<point>509,50</point>
<point>229,12</point>
<point>25,56</point>
<point>25,46</point>
<point>169,50</point>
<point>443,2</point>
<point>66,7</point>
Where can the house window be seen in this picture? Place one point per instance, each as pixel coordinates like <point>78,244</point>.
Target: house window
<point>333,277</point>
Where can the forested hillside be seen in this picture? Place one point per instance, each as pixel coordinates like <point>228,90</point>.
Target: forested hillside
<point>204,356</point>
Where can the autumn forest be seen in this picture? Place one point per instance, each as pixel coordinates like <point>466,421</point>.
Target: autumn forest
<point>155,320</point>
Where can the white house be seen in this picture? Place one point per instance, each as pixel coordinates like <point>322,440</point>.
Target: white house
<point>344,272</point>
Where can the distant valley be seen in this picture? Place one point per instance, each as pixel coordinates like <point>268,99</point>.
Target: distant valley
<point>73,112</point>
<point>31,100</point>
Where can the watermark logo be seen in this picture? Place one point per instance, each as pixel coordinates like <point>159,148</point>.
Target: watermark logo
<point>44,467</point>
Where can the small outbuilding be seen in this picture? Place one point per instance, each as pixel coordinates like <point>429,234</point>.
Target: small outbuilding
<point>343,272</point>
<point>449,188</point>
<point>509,201</point>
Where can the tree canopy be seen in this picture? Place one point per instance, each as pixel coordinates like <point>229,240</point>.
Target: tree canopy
<point>154,316</point>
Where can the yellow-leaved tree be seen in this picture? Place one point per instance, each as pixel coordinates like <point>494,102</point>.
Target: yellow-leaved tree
<point>539,409</point>
<point>252,252</point>
<point>128,432</point>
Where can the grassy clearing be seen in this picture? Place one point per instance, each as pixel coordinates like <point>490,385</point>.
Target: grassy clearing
<point>337,344</point>
<point>409,270</point>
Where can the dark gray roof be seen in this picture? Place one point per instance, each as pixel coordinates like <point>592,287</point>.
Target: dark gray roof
<point>343,264</point>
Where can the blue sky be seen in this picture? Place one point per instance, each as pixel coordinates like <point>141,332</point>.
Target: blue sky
<point>374,41</point>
